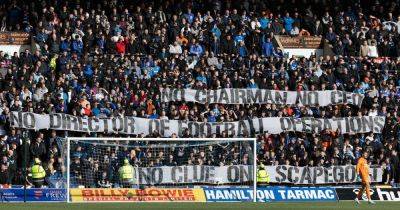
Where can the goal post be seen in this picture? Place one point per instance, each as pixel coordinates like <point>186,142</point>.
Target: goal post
<point>163,169</point>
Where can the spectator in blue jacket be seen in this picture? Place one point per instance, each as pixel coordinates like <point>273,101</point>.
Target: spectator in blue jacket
<point>88,71</point>
<point>264,20</point>
<point>65,44</point>
<point>240,37</point>
<point>252,84</point>
<point>267,48</point>
<point>196,48</point>
<point>288,21</point>
<point>41,36</point>
<point>242,50</point>
<point>154,115</point>
<point>330,36</point>
<point>216,31</point>
<point>189,16</point>
<point>77,45</point>
<point>101,43</point>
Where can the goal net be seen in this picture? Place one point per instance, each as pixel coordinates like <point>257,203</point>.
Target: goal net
<point>158,169</point>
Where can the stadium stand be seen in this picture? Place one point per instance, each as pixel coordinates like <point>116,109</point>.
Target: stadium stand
<point>110,58</point>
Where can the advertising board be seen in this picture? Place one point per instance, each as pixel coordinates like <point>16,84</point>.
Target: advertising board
<point>267,194</point>
<point>33,195</point>
<point>137,195</point>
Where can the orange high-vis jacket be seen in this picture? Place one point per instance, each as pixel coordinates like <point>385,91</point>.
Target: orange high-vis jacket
<point>362,169</point>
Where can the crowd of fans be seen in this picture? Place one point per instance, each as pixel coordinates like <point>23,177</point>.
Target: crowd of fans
<point>109,58</point>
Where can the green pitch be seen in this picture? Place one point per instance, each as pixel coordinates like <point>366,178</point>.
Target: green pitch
<point>344,205</point>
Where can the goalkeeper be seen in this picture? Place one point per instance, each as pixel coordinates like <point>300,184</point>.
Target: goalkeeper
<point>362,169</point>
<point>127,174</point>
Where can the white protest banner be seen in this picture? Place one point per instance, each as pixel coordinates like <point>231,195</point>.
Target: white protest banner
<point>262,96</point>
<point>319,174</point>
<point>193,174</point>
<point>135,125</point>
<point>243,173</point>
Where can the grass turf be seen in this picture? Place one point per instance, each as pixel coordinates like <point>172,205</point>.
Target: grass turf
<point>343,205</point>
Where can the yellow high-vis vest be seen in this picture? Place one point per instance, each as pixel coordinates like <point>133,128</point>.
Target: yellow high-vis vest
<point>38,172</point>
<point>126,172</point>
<point>262,176</point>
